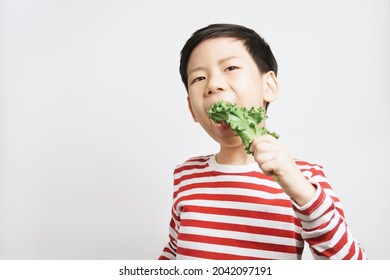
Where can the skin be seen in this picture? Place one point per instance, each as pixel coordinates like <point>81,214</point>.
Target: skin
<point>222,68</point>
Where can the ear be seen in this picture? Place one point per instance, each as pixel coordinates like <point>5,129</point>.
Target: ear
<point>190,107</point>
<point>271,86</point>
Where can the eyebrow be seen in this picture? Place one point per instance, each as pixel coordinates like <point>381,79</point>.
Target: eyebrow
<point>199,68</point>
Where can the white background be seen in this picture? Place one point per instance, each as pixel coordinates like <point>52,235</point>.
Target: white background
<point>93,115</point>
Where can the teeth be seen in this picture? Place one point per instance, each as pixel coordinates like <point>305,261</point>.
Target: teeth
<point>217,124</point>
<point>220,125</point>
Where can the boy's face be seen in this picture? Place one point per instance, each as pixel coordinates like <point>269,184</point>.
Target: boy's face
<point>222,68</point>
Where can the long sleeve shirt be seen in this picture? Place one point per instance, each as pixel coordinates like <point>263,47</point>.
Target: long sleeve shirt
<point>237,212</point>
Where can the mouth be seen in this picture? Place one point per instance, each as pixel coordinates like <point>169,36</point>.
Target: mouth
<point>227,101</point>
<point>220,126</point>
<point>218,122</point>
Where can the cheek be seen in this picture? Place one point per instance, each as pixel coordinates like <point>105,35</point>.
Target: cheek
<point>197,89</point>
<point>244,83</point>
<point>249,92</point>
<point>197,110</point>
<point>195,105</point>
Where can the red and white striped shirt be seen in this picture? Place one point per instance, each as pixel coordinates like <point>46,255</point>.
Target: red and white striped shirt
<point>237,212</point>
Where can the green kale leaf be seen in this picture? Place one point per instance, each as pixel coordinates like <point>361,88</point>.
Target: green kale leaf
<point>242,121</point>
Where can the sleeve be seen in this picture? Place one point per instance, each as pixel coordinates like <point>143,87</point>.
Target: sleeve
<point>169,251</point>
<point>323,223</point>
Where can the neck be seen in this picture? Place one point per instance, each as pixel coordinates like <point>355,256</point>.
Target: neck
<point>234,156</point>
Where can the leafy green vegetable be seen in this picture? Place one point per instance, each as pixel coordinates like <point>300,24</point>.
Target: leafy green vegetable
<point>242,121</point>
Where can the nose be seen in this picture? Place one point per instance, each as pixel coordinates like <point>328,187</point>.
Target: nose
<point>216,84</point>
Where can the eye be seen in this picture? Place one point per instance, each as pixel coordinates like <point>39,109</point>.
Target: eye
<point>231,68</point>
<point>198,79</point>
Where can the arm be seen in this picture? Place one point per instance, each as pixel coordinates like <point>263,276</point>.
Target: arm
<point>274,159</point>
<point>169,251</point>
<point>314,201</point>
<point>323,223</point>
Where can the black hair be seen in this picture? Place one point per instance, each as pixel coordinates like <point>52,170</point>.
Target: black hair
<point>255,44</point>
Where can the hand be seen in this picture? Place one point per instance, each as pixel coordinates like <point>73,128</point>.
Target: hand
<point>274,159</point>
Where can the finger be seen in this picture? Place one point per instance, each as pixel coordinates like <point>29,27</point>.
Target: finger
<point>267,162</point>
<point>264,157</point>
<point>265,139</point>
<point>268,138</point>
<point>262,147</point>
<point>268,167</point>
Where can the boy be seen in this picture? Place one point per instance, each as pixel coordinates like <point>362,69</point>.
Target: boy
<point>228,205</point>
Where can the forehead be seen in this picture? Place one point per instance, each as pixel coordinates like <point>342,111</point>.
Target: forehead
<point>214,49</point>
